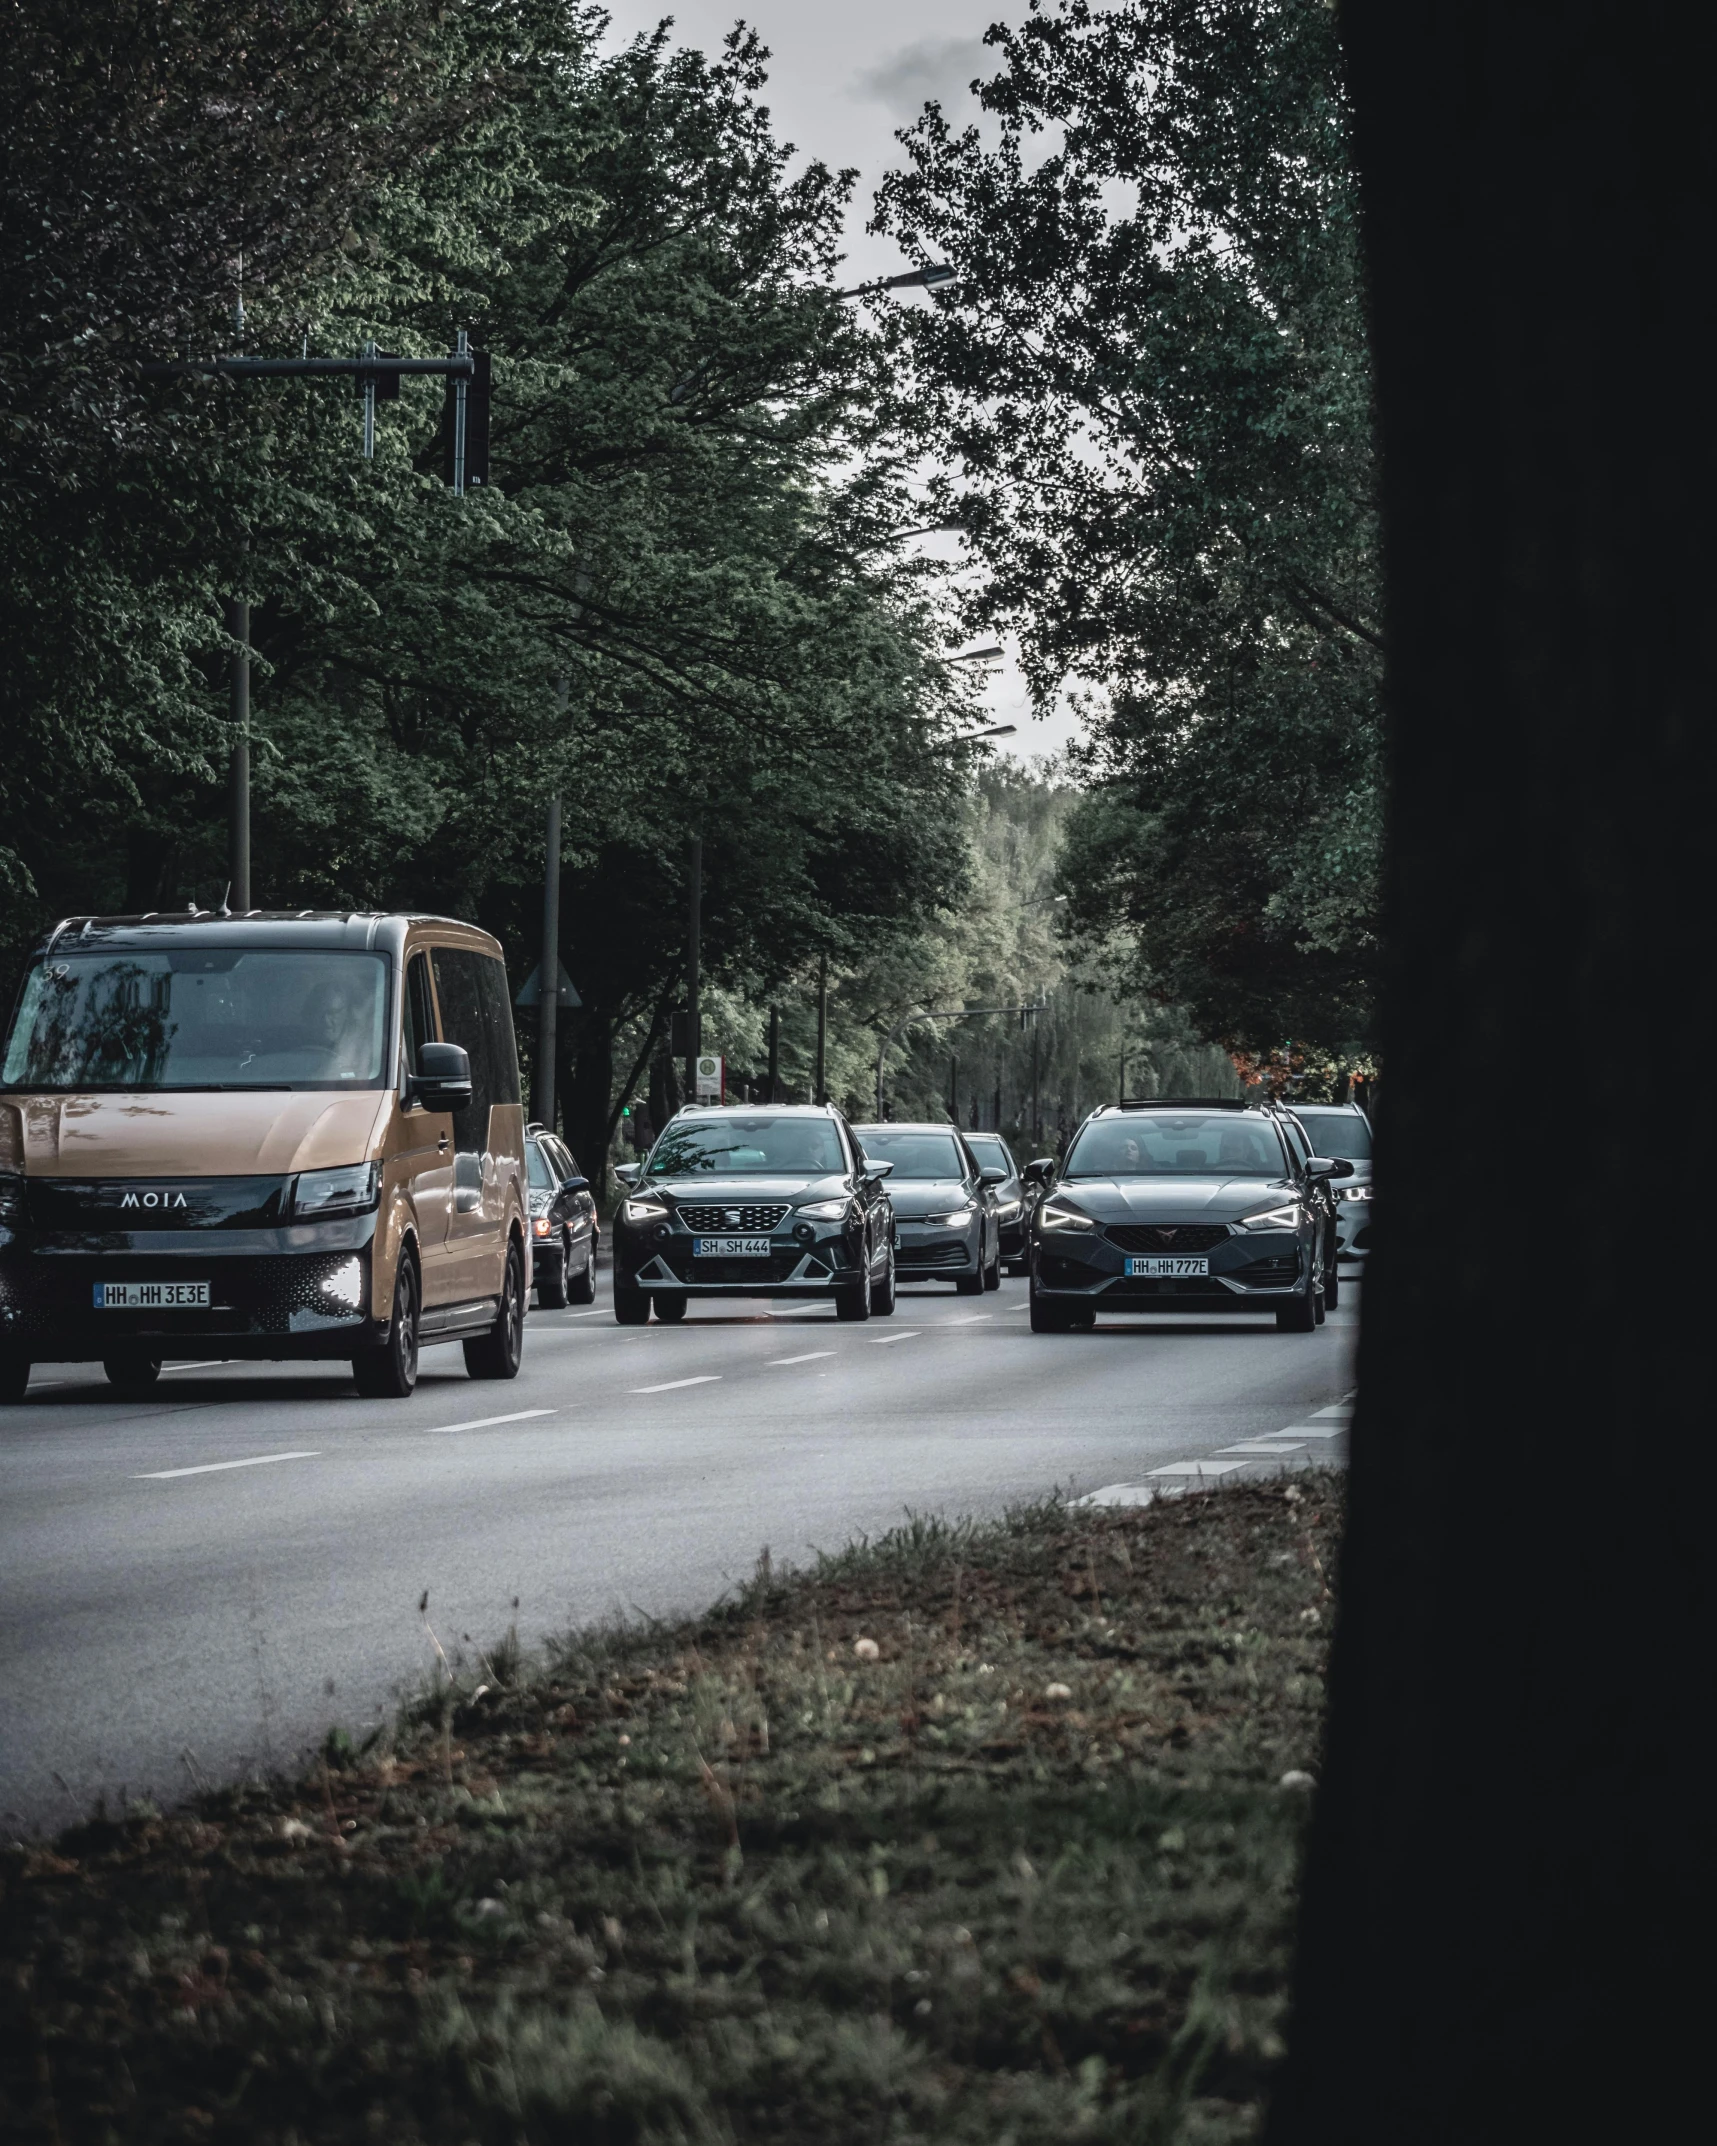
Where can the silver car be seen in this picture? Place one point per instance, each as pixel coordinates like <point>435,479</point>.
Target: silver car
<point>946,1228</point>
<point>1344,1129</point>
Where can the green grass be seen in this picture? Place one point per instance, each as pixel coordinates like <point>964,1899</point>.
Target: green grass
<point>729,1881</point>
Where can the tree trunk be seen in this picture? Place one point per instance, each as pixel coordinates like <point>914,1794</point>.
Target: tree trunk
<point>1506,1826</point>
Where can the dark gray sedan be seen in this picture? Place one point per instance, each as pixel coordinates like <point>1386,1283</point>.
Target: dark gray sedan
<point>944,1205</point>
<point>1178,1208</point>
<point>1014,1200</point>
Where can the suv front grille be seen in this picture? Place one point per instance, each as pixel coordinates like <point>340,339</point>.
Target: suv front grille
<point>1157,1237</point>
<point>759,1219</point>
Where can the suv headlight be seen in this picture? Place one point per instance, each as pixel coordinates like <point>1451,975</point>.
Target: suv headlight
<point>318,1195</point>
<point>1054,1216</point>
<point>1288,1217</point>
<point>1356,1192</point>
<point>823,1210</point>
<point>643,1211</point>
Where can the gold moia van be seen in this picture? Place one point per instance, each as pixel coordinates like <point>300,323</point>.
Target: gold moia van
<point>262,1136</point>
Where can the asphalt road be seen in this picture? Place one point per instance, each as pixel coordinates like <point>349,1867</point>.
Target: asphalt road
<point>168,1617</point>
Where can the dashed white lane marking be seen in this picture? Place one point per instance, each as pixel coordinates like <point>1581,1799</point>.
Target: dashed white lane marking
<point>1312,1430</point>
<point>810,1357</point>
<point>881,1341</point>
<point>1197,1467</point>
<point>709,1378</point>
<point>217,1467</point>
<point>1259,1445</point>
<point>972,1318</point>
<point>1341,1408</point>
<point>482,1423</point>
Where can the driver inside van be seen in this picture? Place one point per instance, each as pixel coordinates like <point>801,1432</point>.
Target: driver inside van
<point>336,1024</point>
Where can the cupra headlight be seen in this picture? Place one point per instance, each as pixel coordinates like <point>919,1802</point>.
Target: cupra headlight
<point>1288,1217</point>
<point>1356,1192</point>
<point>824,1210</point>
<point>1054,1216</point>
<point>643,1211</point>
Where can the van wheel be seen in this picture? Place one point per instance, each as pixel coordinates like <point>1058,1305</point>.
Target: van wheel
<point>388,1372</point>
<point>551,1281</point>
<point>14,1376</point>
<point>131,1374</point>
<point>499,1353</point>
<point>631,1304</point>
<point>581,1289</point>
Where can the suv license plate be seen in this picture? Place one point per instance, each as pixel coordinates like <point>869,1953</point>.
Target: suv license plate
<point>151,1296</point>
<point>1170,1267</point>
<point>731,1248</point>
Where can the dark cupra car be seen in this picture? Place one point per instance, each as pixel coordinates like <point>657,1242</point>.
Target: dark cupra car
<point>757,1201</point>
<point>1181,1207</point>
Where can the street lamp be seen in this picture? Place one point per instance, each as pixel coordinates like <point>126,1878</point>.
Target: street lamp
<point>933,276</point>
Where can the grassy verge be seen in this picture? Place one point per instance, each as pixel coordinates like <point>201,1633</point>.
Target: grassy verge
<point>972,1834</point>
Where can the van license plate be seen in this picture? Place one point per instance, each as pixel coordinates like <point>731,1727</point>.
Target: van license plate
<point>731,1248</point>
<point>151,1296</point>
<point>1184,1268</point>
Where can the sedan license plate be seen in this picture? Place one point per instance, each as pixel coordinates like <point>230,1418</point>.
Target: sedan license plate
<point>1183,1268</point>
<point>151,1296</point>
<point>731,1248</point>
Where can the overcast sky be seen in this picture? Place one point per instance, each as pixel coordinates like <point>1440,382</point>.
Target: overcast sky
<point>842,79</point>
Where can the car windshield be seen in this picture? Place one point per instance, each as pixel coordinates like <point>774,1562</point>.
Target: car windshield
<point>542,1177</point>
<point>1337,1132</point>
<point>1196,1144</point>
<point>201,1017</point>
<point>992,1151</point>
<point>747,1147</point>
<point>931,1155</point>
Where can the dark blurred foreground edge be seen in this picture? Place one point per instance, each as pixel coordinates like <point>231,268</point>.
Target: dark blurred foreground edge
<point>1499,1937</point>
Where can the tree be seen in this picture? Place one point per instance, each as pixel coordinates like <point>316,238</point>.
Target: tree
<point>1499,1905</point>
<point>1153,377</point>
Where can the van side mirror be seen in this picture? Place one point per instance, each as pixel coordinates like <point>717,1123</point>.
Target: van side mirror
<point>1040,1172</point>
<point>628,1172</point>
<point>443,1077</point>
<point>992,1174</point>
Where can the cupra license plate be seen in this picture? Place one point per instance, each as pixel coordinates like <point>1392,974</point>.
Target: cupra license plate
<point>1182,1268</point>
<point>151,1296</point>
<point>731,1248</point>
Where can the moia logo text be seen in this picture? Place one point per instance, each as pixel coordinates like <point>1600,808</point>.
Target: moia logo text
<point>153,1199</point>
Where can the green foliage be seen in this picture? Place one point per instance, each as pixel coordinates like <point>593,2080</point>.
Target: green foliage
<point>1154,376</point>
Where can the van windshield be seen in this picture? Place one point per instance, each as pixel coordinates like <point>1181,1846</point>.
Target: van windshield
<point>201,1017</point>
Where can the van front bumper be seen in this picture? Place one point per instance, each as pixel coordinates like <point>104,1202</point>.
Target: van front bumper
<point>276,1304</point>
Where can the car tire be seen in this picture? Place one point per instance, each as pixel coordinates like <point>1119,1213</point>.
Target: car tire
<point>1332,1283</point>
<point>581,1289</point>
<point>883,1294</point>
<point>1048,1317</point>
<point>631,1304</point>
<point>670,1306</point>
<point>969,1285</point>
<point>388,1371</point>
<point>1318,1310</point>
<point>1018,1269</point>
<point>551,1281</point>
<point>1299,1317</point>
<point>131,1374</point>
<point>855,1300</point>
<point>993,1272</point>
<point>14,1376</point>
<point>499,1353</point>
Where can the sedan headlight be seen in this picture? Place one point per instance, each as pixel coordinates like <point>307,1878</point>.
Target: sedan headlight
<point>1288,1217</point>
<point>824,1210</point>
<point>1356,1192</point>
<point>1054,1216</point>
<point>319,1194</point>
<point>643,1211</point>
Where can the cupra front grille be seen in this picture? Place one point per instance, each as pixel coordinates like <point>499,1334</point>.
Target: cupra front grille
<point>737,1219</point>
<point>1161,1237</point>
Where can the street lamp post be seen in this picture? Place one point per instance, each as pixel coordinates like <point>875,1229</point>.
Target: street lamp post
<point>238,772</point>
<point>694,950</point>
<point>946,1013</point>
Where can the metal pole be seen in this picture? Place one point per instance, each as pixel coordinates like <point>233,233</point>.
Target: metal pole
<point>774,1054</point>
<point>238,774</point>
<point>694,936</point>
<point>822,1086</point>
<point>369,380</point>
<point>461,348</point>
<point>548,1004</point>
<point>954,1086</point>
<point>1036,1110</point>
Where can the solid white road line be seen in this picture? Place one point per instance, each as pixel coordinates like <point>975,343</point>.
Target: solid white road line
<point>882,1341</point>
<point>709,1378</point>
<point>810,1357</point>
<point>217,1467</point>
<point>1197,1467</point>
<point>482,1423</point>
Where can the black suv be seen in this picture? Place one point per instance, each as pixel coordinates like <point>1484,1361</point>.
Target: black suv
<point>1182,1207</point>
<point>762,1201</point>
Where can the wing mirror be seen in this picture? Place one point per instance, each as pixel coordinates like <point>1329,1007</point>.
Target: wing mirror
<point>1329,1166</point>
<point>443,1077</point>
<point>876,1171</point>
<point>1040,1172</point>
<point>628,1172</point>
<point>993,1174</point>
<point>575,1184</point>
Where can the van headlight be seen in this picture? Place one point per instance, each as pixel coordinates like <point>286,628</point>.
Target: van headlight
<point>318,1195</point>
